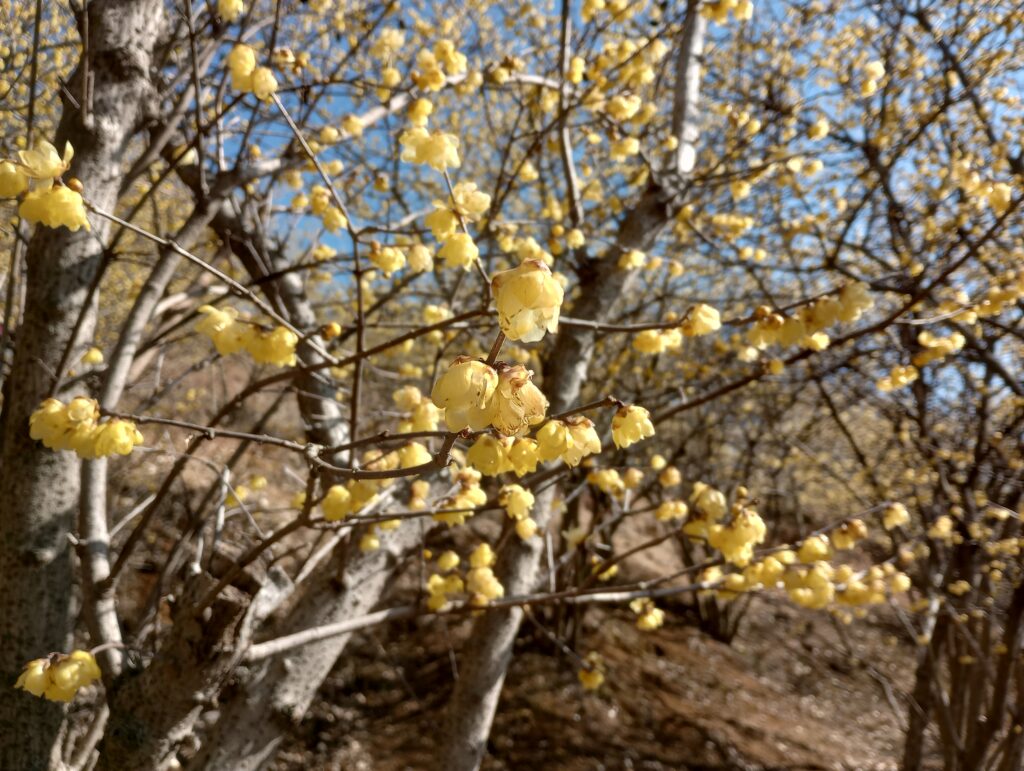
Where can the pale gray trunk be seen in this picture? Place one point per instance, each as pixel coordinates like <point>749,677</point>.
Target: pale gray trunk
<point>470,711</point>
<point>276,694</point>
<point>40,487</point>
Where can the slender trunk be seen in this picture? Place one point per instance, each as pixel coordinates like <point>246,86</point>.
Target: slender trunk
<point>40,486</point>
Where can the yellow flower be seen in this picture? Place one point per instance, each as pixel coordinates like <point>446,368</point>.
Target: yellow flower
<point>55,207</point>
<point>584,440</point>
<point>670,510</point>
<point>337,504</point>
<point>59,677</point>
<point>818,129</point>
<point>517,403</point>
<point>874,70</point>
<point>523,456</point>
<point>632,259</point>
<point>442,223</point>
<point>708,500</point>
<point>43,162</point>
<point>553,439</point>
<point>517,500</point>
<point>623,108</point>
<point>352,125</point>
<point>670,477</point>
<point>116,437</point>
<point>334,220</point>
<point>649,617</point>
<point>388,258</point>
<point>895,515</point>
<point>526,529</point>
<point>468,201</point>
<point>264,84</point>
<point>814,549</point>
<point>241,63</point>
<point>488,455</point>
<point>463,392</point>
<point>419,111</point>
<point>275,347</point>
<point>420,259</point>
<point>591,674</point>
<point>13,181</point>
<point>219,324</point>
<point>229,10</point>
<point>413,454</point>
<point>437,150</point>
<point>528,300</point>
<point>630,425</point>
<point>448,561</point>
<point>701,319</point>
<point>459,251</point>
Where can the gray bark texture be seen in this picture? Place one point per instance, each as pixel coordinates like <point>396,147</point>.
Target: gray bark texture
<point>471,708</point>
<point>40,487</point>
<point>153,710</point>
<point>274,695</point>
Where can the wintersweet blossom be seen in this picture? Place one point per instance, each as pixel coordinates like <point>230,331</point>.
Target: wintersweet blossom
<point>630,425</point>
<point>528,299</point>
<point>463,392</point>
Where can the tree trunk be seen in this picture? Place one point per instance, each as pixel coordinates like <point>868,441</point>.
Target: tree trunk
<point>278,692</point>
<point>41,486</point>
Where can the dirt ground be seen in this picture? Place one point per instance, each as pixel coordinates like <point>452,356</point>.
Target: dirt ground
<point>673,699</point>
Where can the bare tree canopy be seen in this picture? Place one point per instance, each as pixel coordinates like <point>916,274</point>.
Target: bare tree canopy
<point>322,317</point>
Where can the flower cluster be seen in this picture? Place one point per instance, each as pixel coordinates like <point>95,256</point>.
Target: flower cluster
<point>59,677</point>
<point>591,673</point>
<point>475,395</point>
<point>421,413</point>
<point>46,201</point>
<point>231,335</point>
<point>571,439</point>
<point>468,495</point>
<point>76,426</point>
<point>806,327</point>
<point>247,77</point>
<point>518,503</point>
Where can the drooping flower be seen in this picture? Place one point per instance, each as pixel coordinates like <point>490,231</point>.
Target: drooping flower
<point>528,299</point>
<point>630,425</point>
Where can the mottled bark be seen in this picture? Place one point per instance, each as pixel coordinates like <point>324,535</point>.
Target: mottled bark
<point>153,710</point>
<point>40,487</point>
<point>274,695</point>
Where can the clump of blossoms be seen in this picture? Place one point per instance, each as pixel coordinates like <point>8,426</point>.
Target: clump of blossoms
<point>481,583</point>
<point>76,426</point>
<point>475,395</point>
<point>461,505</point>
<point>59,677</point>
<point>46,201</point>
<point>518,503</point>
<point>648,616</point>
<point>247,77</point>
<point>230,335</point>
<point>572,439</point>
